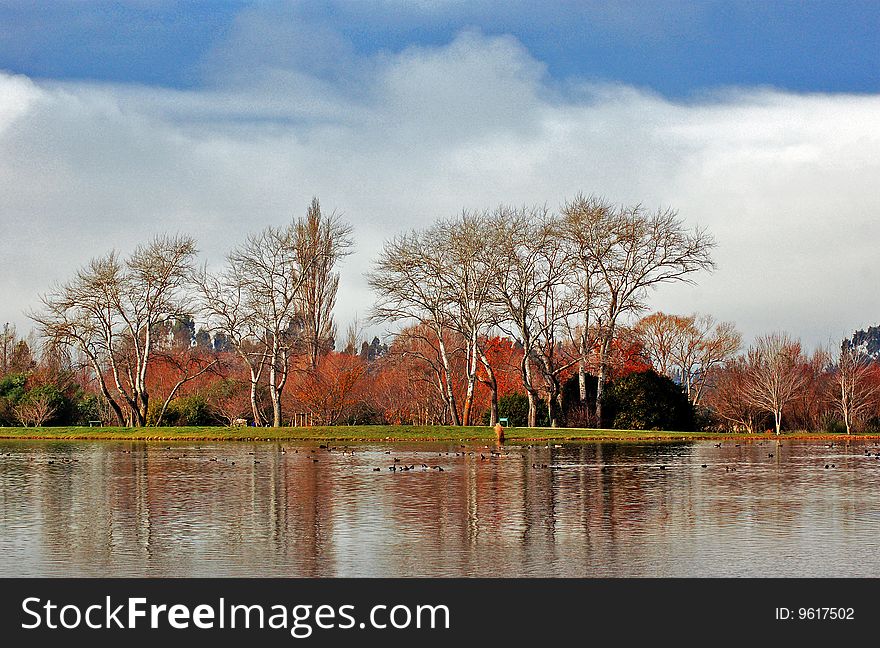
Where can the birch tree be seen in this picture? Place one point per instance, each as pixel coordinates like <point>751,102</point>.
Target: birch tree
<point>227,303</point>
<point>856,391</point>
<point>469,279</point>
<point>253,302</point>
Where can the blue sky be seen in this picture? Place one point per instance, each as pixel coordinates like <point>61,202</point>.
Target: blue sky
<point>757,120</point>
<point>674,47</point>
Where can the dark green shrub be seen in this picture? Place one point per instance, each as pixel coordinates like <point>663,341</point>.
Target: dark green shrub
<point>184,411</point>
<point>515,407</point>
<point>12,386</point>
<point>364,414</point>
<point>574,412</point>
<point>647,401</point>
<point>86,407</point>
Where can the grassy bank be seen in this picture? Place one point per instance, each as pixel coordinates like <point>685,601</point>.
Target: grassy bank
<point>386,433</point>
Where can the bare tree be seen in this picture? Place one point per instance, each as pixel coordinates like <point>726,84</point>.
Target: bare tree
<point>718,344</point>
<point>726,396</point>
<point>688,347</point>
<point>253,302</point>
<point>353,333</point>
<point>631,250</point>
<point>228,398</point>
<point>856,390</point>
<point>469,278</point>
<point>227,302</point>
<point>410,279</point>
<point>533,283</point>
<point>659,334</point>
<point>35,409</point>
<point>808,408</point>
<point>774,374</point>
<point>111,310</point>
<point>588,278</point>
<point>186,363</point>
<point>321,241</point>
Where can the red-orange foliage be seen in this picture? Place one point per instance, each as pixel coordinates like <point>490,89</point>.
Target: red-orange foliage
<point>332,392</point>
<point>504,355</point>
<point>627,357</point>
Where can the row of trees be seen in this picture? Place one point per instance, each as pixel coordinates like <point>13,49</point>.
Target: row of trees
<point>271,302</point>
<point>560,284</point>
<point>495,311</point>
<point>775,379</point>
<point>774,382</point>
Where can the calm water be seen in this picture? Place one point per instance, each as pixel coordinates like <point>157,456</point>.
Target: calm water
<point>267,509</point>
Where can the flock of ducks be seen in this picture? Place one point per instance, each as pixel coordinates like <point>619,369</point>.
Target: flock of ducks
<point>462,451</point>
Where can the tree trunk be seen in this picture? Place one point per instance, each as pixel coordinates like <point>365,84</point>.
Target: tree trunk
<point>526,370</point>
<point>553,404</point>
<point>533,408</point>
<point>276,409</point>
<point>258,419</point>
<point>143,412</point>
<point>492,382</point>
<point>600,392</point>
<point>314,345</point>
<point>447,370</point>
<point>601,378</point>
<point>117,411</point>
<point>778,417</point>
<point>582,366</point>
<point>471,380</point>
<point>582,381</point>
<point>273,392</point>
<point>468,402</point>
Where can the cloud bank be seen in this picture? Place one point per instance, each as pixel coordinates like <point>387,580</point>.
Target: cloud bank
<point>785,182</point>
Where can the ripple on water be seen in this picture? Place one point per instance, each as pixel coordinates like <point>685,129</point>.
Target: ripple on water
<point>596,509</point>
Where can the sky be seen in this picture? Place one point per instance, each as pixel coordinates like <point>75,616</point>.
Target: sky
<point>757,120</point>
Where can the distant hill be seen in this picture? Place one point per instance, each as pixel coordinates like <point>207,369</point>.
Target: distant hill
<point>867,342</point>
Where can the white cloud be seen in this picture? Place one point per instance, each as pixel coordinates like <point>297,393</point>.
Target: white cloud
<point>784,181</point>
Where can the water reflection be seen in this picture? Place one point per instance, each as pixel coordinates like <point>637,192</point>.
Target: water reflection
<point>265,509</point>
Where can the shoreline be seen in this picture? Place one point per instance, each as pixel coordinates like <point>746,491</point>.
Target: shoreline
<point>400,433</point>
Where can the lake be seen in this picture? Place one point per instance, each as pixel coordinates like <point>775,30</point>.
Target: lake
<point>756,508</point>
